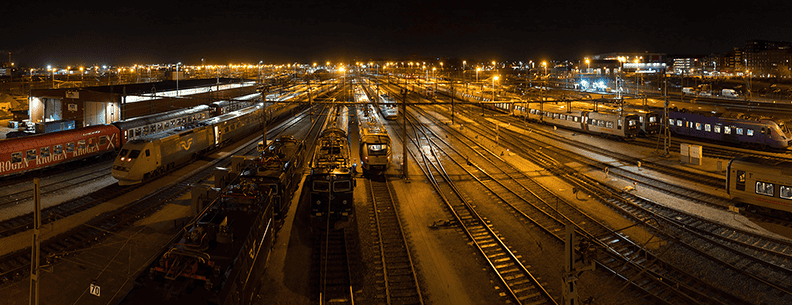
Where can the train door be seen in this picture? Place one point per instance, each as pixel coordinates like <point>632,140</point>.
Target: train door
<point>584,121</point>
<point>216,135</point>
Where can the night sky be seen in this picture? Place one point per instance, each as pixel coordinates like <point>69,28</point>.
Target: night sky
<point>38,33</point>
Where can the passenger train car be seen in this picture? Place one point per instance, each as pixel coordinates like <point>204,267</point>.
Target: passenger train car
<point>620,125</point>
<point>761,185</point>
<point>149,156</point>
<point>649,120</point>
<point>388,107</point>
<point>277,170</point>
<point>331,179</point>
<point>731,127</point>
<point>375,143</point>
<point>219,258</point>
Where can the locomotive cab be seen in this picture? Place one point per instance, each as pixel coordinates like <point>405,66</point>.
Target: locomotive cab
<point>136,162</point>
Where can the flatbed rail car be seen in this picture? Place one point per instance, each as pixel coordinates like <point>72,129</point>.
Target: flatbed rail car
<point>731,127</point>
<point>155,154</point>
<point>219,258</point>
<point>331,179</point>
<point>277,169</point>
<point>375,143</point>
<point>619,125</point>
<point>761,185</point>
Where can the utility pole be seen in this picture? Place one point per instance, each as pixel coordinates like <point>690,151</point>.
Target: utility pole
<point>666,130</point>
<point>35,250</point>
<point>404,135</point>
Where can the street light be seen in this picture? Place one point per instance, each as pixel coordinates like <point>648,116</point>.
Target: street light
<point>494,78</point>
<point>544,78</point>
<point>477,71</point>
<point>177,78</point>
<point>588,66</point>
<point>259,66</point>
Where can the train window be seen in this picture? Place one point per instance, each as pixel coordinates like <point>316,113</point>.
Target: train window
<point>764,188</point>
<point>57,149</point>
<point>698,126</point>
<point>134,154</point>
<point>740,184</point>
<point>377,149</point>
<point>707,127</point>
<point>593,122</point>
<point>123,152</point>
<point>16,157</point>
<point>640,119</point>
<point>31,154</point>
<point>652,119</point>
<point>44,152</point>
<point>69,147</point>
<point>785,192</point>
<point>342,186</point>
<point>717,128</point>
<point>148,154</point>
<point>321,186</point>
<point>103,140</point>
<point>679,123</point>
<point>727,129</point>
<point>739,131</point>
<point>749,132</point>
<point>610,124</point>
<point>81,144</point>
<point>670,122</point>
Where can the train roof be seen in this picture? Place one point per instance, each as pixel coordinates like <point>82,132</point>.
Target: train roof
<point>763,162</point>
<point>369,121</point>
<point>231,115</point>
<point>58,137</point>
<point>159,117</point>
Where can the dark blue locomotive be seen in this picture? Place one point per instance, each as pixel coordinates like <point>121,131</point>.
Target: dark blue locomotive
<point>331,179</point>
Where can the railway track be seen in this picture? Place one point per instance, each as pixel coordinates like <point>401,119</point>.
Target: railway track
<point>332,263</point>
<point>763,268</point>
<point>399,278</point>
<point>519,284</point>
<point>22,191</point>
<point>532,202</point>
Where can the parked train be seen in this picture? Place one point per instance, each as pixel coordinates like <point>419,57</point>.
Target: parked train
<point>219,258</point>
<point>277,169</point>
<point>616,124</point>
<point>25,154</point>
<point>650,121</point>
<point>388,107</point>
<point>732,127</point>
<point>331,179</point>
<point>154,154</point>
<point>761,185</point>
<point>375,143</point>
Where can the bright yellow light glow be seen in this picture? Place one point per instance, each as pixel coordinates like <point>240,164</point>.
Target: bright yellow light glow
<point>495,78</point>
